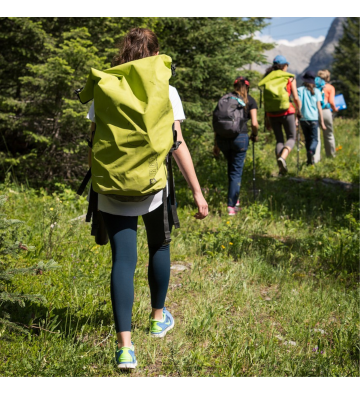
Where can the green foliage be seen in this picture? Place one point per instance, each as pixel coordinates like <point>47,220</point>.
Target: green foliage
<point>270,292</point>
<point>44,127</point>
<point>208,53</point>
<point>346,66</point>
<point>11,246</point>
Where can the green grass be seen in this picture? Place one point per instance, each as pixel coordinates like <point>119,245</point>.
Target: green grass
<point>271,292</point>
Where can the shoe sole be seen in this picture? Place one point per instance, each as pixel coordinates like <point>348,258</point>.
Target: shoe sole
<point>127,365</point>
<point>163,333</point>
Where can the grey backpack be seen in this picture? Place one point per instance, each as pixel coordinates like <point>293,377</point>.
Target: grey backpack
<point>229,116</point>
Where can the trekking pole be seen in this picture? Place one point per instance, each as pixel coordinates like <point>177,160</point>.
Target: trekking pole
<point>253,149</point>
<point>298,147</point>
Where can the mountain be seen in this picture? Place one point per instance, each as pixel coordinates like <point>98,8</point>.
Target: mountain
<point>298,56</point>
<point>323,58</point>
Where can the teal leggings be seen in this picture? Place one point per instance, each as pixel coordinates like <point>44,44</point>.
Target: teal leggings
<point>122,235</point>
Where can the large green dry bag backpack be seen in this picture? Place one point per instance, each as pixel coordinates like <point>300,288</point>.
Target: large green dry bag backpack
<point>134,132</point>
<point>276,97</point>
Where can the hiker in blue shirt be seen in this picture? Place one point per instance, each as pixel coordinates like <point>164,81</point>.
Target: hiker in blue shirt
<point>310,98</point>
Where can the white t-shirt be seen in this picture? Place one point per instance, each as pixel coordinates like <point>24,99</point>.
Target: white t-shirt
<point>130,209</point>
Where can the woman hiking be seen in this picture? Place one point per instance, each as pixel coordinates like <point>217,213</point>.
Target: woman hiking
<point>234,149</point>
<point>328,102</point>
<point>121,223</point>
<point>277,120</point>
<point>310,98</point>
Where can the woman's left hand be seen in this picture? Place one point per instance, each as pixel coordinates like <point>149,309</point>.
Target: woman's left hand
<point>203,209</point>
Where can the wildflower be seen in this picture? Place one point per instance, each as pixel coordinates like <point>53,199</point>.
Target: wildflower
<point>222,246</point>
<point>227,223</point>
<point>51,209</point>
<point>322,352</point>
<point>231,243</point>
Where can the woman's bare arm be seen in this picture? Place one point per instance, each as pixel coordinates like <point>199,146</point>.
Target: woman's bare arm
<point>321,115</point>
<point>295,96</point>
<point>186,166</point>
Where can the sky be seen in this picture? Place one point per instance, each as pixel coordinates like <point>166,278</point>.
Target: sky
<point>295,31</point>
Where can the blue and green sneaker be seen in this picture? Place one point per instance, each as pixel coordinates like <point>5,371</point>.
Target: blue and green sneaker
<point>159,328</point>
<point>125,357</point>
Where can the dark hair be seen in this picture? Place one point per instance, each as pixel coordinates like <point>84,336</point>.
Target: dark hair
<point>274,67</point>
<point>137,44</point>
<point>310,87</point>
<point>242,89</point>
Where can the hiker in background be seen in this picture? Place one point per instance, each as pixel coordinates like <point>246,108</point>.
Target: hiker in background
<point>121,223</point>
<point>328,101</point>
<point>234,148</point>
<point>310,98</point>
<point>279,85</point>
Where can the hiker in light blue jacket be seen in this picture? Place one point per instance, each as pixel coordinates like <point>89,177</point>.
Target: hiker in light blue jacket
<point>310,98</point>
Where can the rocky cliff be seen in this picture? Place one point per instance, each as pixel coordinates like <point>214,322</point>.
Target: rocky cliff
<point>323,58</point>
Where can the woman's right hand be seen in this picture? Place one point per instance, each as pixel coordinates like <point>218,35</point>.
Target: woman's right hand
<point>203,209</point>
<point>323,126</point>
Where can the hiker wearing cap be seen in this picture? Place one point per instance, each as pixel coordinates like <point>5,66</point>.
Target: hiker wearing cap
<point>310,98</point>
<point>328,104</point>
<point>278,86</point>
<point>234,148</point>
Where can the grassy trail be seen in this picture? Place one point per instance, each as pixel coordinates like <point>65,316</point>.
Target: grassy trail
<point>270,292</point>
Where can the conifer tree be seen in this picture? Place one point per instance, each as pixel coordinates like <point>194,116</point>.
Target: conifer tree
<point>346,66</point>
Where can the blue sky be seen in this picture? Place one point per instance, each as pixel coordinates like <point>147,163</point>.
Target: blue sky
<point>296,30</point>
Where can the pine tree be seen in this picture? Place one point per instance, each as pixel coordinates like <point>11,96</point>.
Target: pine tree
<point>346,67</point>
<point>208,53</point>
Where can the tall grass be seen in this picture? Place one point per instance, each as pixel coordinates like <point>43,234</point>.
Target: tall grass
<point>270,292</point>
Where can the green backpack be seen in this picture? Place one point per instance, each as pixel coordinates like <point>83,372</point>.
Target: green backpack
<point>276,97</point>
<point>135,136</point>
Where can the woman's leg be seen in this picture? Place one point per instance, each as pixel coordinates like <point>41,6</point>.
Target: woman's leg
<point>276,126</point>
<point>290,131</point>
<point>225,148</point>
<point>313,136</point>
<point>317,155</point>
<point>239,147</point>
<point>329,139</point>
<point>159,259</point>
<point>122,236</point>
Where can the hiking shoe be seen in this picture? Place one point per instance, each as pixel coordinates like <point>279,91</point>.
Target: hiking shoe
<point>231,210</point>
<point>237,204</point>
<point>282,165</point>
<point>310,158</point>
<point>159,328</point>
<point>125,357</point>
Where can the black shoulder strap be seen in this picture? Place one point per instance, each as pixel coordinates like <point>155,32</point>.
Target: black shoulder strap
<point>172,192</point>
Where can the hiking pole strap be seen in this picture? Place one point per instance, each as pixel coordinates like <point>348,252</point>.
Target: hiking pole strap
<point>84,183</point>
<point>166,218</point>
<point>93,205</point>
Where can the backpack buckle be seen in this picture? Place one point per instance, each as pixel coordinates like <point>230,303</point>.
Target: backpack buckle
<point>173,72</point>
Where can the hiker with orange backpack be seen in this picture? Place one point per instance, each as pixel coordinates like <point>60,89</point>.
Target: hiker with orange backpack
<point>230,118</point>
<point>327,104</point>
<point>129,130</point>
<point>278,86</point>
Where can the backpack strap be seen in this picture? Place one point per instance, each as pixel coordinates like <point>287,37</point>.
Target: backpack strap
<point>172,192</point>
